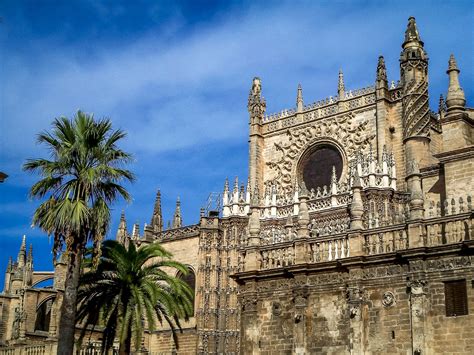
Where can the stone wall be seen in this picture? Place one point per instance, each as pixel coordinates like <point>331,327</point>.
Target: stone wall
<point>394,308</point>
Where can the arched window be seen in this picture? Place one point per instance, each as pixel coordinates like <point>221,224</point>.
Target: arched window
<point>317,164</point>
<point>43,315</point>
<point>190,279</point>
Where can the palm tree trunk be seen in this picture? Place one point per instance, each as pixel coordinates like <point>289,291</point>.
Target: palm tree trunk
<point>126,346</point>
<point>67,323</point>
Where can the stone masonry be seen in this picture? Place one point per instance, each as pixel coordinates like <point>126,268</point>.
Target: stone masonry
<point>379,259</point>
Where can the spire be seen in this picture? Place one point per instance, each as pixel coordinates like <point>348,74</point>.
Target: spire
<point>411,33</point>
<point>340,85</point>
<point>10,264</point>
<point>177,220</point>
<point>299,99</point>
<point>381,73</point>
<point>455,99</point>
<point>414,79</point>
<point>226,185</point>
<point>441,104</point>
<point>256,104</point>
<point>136,231</point>
<point>122,229</point>
<point>22,253</point>
<point>157,219</point>
<point>29,258</point>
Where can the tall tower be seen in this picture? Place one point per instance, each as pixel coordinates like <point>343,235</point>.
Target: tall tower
<point>415,108</point>
<point>256,107</point>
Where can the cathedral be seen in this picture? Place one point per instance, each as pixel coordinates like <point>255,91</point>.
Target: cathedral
<point>354,233</point>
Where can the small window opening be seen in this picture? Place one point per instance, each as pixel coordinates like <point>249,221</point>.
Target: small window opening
<point>455,298</point>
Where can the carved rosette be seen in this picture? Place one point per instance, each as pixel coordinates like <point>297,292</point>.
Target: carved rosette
<point>340,131</point>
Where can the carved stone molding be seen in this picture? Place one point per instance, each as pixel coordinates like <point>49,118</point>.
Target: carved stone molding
<point>300,296</point>
<point>249,302</point>
<point>340,131</point>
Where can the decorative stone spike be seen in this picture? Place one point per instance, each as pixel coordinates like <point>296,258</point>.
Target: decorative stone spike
<point>340,85</point>
<point>256,103</point>
<point>236,184</point>
<point>441,104</point>
<point>177,219</point>
<point>226,185</point>
<point>299,99</point>
<point>381,73</point>
<point>455,99</point>
<point>136,231</point>
<point>157,219</point>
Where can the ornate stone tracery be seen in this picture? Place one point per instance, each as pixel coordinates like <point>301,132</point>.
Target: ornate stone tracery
<point>340,131</point>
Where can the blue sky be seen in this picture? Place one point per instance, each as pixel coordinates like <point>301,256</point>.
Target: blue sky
<point>175,75</point>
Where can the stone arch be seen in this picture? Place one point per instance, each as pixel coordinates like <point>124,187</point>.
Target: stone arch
<point>39,278</point>
<point>43,313</point>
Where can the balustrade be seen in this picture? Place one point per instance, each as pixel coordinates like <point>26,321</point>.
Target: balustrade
<point>329,249</point>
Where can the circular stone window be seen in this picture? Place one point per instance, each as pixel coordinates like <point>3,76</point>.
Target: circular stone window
<point>316,166</point>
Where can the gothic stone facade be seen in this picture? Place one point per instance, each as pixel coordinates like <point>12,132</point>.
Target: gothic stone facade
<point>353,234</point>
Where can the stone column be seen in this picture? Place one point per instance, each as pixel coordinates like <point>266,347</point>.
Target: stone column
<point>355,298</point>
<point>413,180</point>
<point>303,231</point>
<point>249,325</point>
<point>357,206</point>
<point>300,298</point>
<point>252,257</point>
<point>417,315</point>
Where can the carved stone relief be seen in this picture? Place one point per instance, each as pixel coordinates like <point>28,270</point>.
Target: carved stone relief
<point>340,130</point>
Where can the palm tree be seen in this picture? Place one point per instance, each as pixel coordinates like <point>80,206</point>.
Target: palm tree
<point>79,181</point>
<point>128,288</point>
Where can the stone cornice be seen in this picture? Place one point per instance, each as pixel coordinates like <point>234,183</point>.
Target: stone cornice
<point>399,257</point>
<point>455,155</point>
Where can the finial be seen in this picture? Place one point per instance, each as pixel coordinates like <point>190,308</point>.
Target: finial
<point>157,219</point>
<point>384,154</point>
<point>236,184</point>
<point>226,185</point>
<point>177,219</point>
<point>23,243</point>
<point>30,253</point>
<point>340,85</point>
<point>299,99</point>
<point>455,99</point>
<point>136,231</point>
<point>333,175</point>
<point>356,182</point>
<point>256,103</point>
<point>442,104</point>
<point>411,33</point>
<point>452,65</point>
<point>381,71</point>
